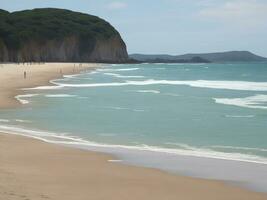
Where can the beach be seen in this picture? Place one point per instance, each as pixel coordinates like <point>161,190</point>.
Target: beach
<point>33,169</point>
<point>12,77</point>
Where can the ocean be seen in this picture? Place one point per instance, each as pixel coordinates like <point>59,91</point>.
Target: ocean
<point>205,111</point>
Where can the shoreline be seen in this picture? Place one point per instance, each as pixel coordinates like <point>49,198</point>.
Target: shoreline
<point>36,74</point>
<point>211,188</point>
<point>38,170</point>
<point>247,175</point>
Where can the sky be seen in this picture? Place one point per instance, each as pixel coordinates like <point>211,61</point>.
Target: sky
<point>174,26</point>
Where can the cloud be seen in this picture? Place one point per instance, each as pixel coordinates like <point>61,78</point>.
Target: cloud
<point>116,5</point>
<point>238,12</point>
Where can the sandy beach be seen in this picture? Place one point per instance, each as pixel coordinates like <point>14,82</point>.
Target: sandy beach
<point>12,77</point>
<point>32,169</point>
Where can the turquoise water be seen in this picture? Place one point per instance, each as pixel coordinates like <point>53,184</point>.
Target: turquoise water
<point>209,110</point>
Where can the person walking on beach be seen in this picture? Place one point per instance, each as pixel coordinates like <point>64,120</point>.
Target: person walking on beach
<point>25,75</point>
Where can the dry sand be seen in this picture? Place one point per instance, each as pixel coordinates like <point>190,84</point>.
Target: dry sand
<point>34,170</point>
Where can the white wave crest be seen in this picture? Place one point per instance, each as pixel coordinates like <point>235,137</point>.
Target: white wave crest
<point>117,70</point>
<point>229,85</point>
<point>172,94</point>
<point>71,75</point>
<point>4,120</point>
<point>186,150</point>
<point>257,101</point>
<point>22,121</point>
<point>149,91</point>
<point>240,116</point>
<point>138,110</point>
<point>48,87</point>
<point>122,76</point>
<point>123,108</point>
<point>239,148</point>
<point>116,108</point>
<point>59,95</point>
<point>21,99</point>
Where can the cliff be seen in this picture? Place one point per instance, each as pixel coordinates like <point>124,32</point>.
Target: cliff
<point>56,35</point>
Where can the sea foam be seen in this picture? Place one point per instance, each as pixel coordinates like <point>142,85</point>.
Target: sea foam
<point>123,108</point>
<point>22,121</point>
<point>21,99</point>
<point>149,91</point>
<point>239,116</point>
<point>59,95</point>
<point>239,148</point>
<point>257,101</point>
<point>185,150</point>
<point>4,120</point>
<point>122,76</point>
<point>228,85</point>
<point>117,70</point>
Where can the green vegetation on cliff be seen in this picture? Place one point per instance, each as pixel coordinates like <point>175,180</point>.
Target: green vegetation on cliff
<point>20,28</point>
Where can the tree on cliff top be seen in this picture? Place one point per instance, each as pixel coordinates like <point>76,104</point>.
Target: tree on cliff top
<point>48,24</point>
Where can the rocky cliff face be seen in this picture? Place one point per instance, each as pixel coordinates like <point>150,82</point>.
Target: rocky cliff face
<point>109,50</point>
<point>91,39</point>
<point>3,52</point>
<point>69,49</point>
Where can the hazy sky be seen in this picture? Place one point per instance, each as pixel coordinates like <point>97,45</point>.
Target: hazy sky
<point>174,26</point>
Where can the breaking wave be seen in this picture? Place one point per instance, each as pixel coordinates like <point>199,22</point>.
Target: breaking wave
<point>183,149</point>
<point>227,85</point>
<point>240,116</point>
<point>60,95</point>
<point>122,76</point>
<point>257,101</point>
<point>22,100</point>
<point>149,91</point>
<point>117,70</point>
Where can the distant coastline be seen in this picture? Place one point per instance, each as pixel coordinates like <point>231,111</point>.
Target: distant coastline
<point>218,57</point>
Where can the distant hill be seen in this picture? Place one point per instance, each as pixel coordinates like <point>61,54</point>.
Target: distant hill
<point>195,59</point>
<point>51,34</point>
<point>230,56</point>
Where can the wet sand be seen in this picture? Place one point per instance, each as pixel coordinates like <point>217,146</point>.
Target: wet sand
<point>31,169</point>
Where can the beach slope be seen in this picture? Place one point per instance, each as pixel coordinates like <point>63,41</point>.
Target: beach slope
<point>31,169</point>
